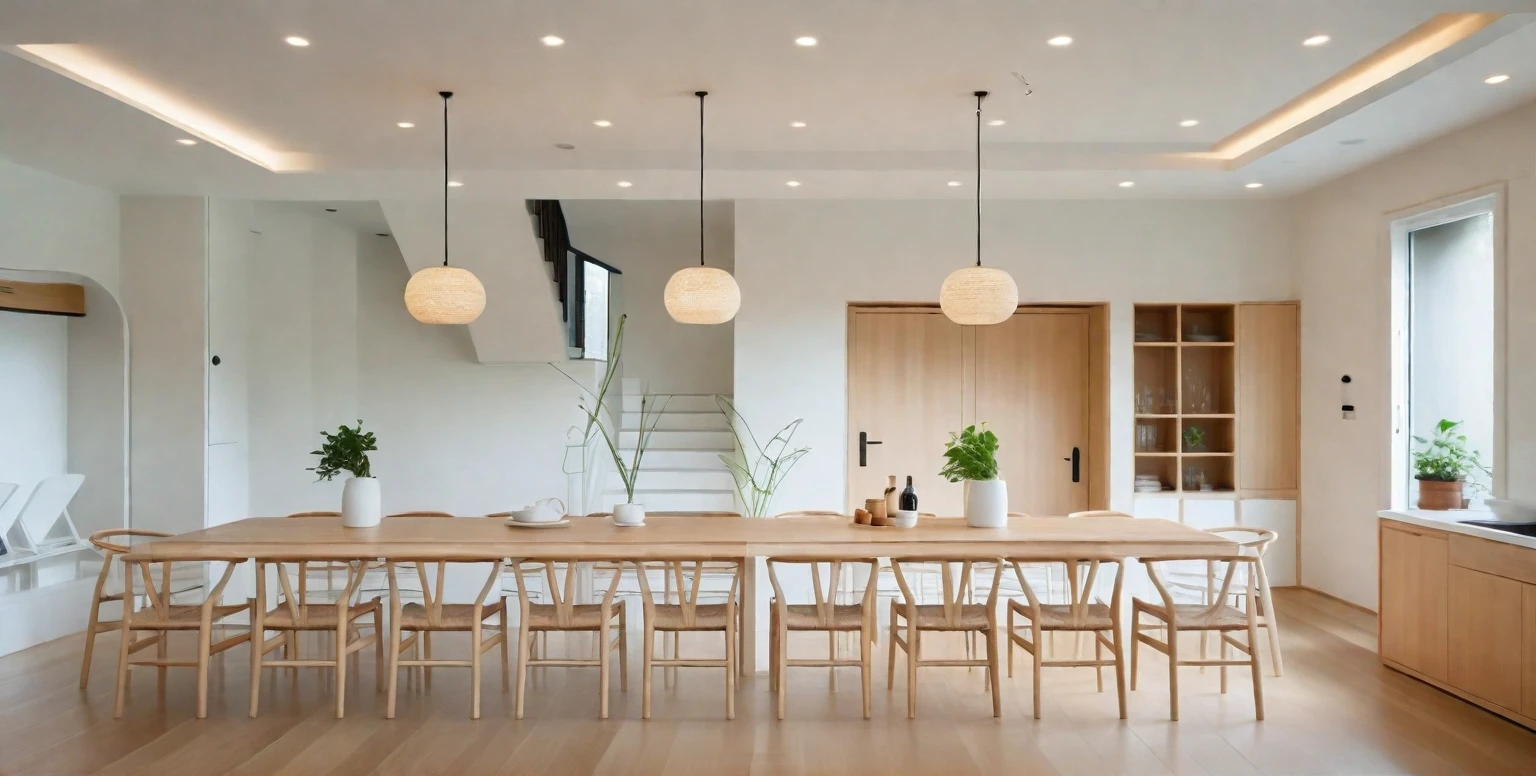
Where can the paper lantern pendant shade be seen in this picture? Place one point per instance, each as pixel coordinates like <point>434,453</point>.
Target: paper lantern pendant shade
<point>979,296</point>
<point>449,295</point>
<point>702,295</point>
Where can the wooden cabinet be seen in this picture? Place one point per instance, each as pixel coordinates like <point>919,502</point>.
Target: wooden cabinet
<point>1485,636</point>
<point>1269,399</point>
<point>1460,613</point>
<point>1415,587</point>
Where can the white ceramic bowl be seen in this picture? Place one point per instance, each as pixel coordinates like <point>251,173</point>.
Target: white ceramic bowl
<point>536,515</point>
<point>905,518</point>
<point>1512,511</point>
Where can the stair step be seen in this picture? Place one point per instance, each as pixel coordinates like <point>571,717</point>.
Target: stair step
<point>679,421</point>
<point>676,500</point>
<point>677,402</point>
<point>680,440</point>
<point>654,478</point>
<point>677,458</point>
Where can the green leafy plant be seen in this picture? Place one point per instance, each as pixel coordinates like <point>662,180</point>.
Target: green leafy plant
<point>1445,456</point>
<point>344,451</point>
<point>760,469</point>
<point>629,471</point>
<point>970,455</point>
<point>1194,437</point>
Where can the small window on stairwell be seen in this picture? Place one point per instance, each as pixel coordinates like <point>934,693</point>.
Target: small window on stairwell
<point>595,293</point>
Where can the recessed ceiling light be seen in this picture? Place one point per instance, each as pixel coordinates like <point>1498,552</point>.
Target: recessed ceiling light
<point>294,40</point>
<point>625,184</point>
<point>552,40</point>
<point>1254,185</point>
<point>1496,79</point>
<point>797,124</point>
<point>1316,40</point>
<point>602,123</point>
<point>956,183</point>
<point>565,146</point>
<point>1127,184</point>
<point>792,184</point>
<point>404,124</point>
<point>805,40</point>
<point>1352,141</point>
<point>186,141</point>
<point>1189,123</point>
<point>996,123</point>
<point>1061,40</point>
<point>455,184</point>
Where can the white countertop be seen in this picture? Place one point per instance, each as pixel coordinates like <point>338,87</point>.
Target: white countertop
<point>1447,521</point>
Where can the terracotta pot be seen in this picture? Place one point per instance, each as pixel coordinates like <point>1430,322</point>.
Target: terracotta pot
<point>1440,495</point>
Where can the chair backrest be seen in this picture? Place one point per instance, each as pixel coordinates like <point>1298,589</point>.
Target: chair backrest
<point>432,592</point>
<point>110,549</point>
<point>1257,539</point>
<point>1100,513</point>
<point>825,594</point>
<point>560,592</point>
<point>298,603</point>
<point>1082,576</point>
<point>1219,598</point>
<point>686,579</point>
<point>954,591</point>
<point>315,514</point>
<point>159,597</point>
<point>421,514</point>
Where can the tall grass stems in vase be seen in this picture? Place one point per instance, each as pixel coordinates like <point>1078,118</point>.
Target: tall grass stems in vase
<point>758,470</point>
<point>580,439</point>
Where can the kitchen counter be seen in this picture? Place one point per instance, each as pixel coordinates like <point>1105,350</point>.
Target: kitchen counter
<point>1447,521</point>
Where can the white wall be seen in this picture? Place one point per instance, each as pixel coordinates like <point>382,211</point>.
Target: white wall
<point>34,377</point>
<point>800,263</point>
<point>98,412</point>
<point>1343,254</point>
<point>648,241</point>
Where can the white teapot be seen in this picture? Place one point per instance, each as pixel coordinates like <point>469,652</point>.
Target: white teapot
<point>546,510</point>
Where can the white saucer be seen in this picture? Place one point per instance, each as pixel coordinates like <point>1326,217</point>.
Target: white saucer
<point>628,525</point>
<point>552,524</point>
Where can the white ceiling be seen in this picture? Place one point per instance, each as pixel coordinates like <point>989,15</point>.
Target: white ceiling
<point>885,95</point>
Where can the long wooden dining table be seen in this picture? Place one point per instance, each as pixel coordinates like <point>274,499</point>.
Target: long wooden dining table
<point>688,538</point>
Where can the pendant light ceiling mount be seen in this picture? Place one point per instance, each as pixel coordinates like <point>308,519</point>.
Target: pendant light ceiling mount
<point>445,295</point>
<point>979,296</point>
<point>702,295</point>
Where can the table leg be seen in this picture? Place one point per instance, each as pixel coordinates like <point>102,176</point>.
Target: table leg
<point>747,638</point>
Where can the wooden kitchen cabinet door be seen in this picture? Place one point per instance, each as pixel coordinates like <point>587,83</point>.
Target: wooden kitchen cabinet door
<point>1528,640</point>
<point>1415,587</point>
<point>1485,636</point>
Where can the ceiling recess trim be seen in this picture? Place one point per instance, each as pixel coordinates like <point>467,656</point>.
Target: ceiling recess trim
<point>1388,68</point>
<point>84,66</point>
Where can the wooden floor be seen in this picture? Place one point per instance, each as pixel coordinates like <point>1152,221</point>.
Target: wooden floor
<point>1336,711</point>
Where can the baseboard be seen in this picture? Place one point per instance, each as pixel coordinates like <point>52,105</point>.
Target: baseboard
<point>1332,597</point>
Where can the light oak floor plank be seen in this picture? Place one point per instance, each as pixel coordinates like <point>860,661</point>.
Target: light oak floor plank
<point>1336,711</point>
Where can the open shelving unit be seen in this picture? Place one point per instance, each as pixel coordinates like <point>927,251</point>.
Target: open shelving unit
<point>1186,379</point>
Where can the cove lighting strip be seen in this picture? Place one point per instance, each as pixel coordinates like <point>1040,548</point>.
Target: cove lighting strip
<point>81,64</point>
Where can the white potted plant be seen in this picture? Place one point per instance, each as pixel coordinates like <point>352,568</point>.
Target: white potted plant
<point>347,451</point>
<point>971,456</point>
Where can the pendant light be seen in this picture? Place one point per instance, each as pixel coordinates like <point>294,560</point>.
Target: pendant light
<point>979,296</point>
<point>702,294</point>
<point>445,294</point>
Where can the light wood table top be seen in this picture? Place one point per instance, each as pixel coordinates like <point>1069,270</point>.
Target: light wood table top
<point>686,538</point>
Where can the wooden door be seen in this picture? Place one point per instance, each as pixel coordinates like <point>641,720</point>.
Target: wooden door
<point>1528,647</point>
<point>1485,633</point>
<point>1032,390</point>
<point>1414,592</point>
<point>906,377</point>
<point>1268,398</point>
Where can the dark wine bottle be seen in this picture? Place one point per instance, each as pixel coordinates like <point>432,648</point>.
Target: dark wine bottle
<point>909,497</point>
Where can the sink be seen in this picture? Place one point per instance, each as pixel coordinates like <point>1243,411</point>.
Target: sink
<point>1523,529</point>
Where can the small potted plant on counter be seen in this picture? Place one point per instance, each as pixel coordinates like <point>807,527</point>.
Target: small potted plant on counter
<point>971,456</point>
<point>347,451</point>
<point>1442,466</point>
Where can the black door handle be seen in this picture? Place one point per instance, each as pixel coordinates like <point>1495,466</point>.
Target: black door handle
<point>1077,464</point>
<point>864,443</point>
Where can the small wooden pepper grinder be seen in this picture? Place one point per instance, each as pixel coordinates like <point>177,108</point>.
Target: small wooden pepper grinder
<point>892,496</point>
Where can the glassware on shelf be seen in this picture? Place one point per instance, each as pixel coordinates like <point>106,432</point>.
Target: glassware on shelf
<point>1194,480</point>
<point>1165,402</point>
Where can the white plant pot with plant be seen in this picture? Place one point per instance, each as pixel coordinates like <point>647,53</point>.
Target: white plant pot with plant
<point>761,468</point>
<point>971,457</point>
<point>347,451</point>
<point>599,423</point>
<point>1444,466</point>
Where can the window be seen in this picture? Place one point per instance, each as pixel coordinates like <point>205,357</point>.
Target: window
<point>594,297</point>
<point>1444,318</point>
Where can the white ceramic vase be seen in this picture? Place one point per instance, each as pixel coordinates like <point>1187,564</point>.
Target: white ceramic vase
<point>361,505</point>
<point>629,514</point>
<point>986,503</point>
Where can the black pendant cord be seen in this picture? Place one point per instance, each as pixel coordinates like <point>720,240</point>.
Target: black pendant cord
<point>701,96</point>
<point>979,97</point>
<point>445,96</point>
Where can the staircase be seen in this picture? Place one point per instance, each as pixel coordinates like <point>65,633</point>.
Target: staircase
<point>681,470</point>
